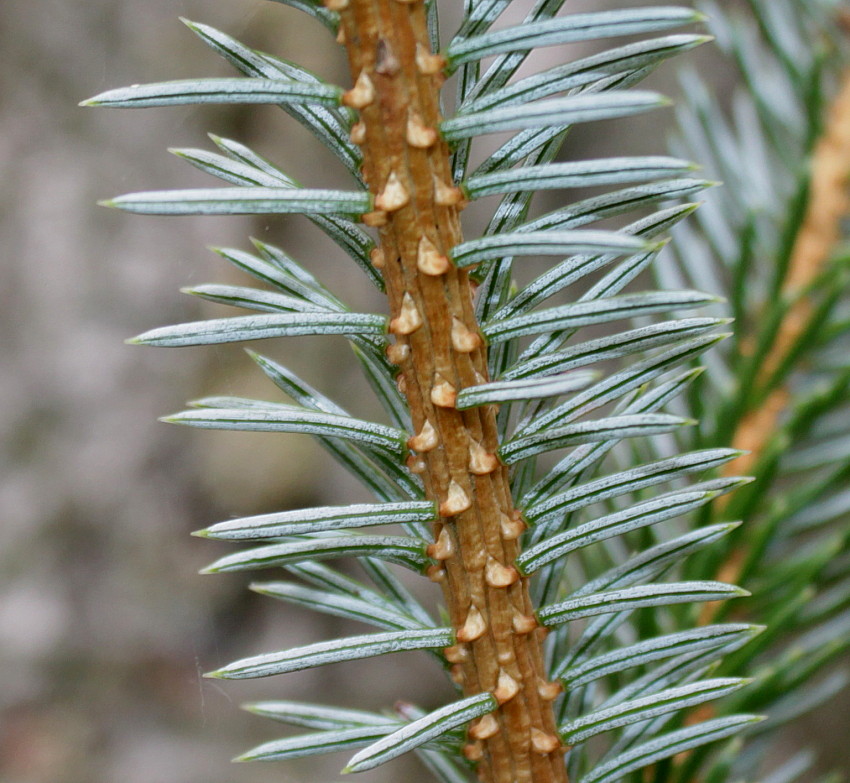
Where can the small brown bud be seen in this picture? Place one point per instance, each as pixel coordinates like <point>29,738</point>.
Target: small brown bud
<point>524,623</point>
<point>456,502</point>
<point>427,63</point>
<point>485,727</point>
<point>418,134</point>
<point>386,63</point>
<point>336,5</point>
<point>398,353</point>
<point>506,688</point>
<point>377,257</point>
<point>457,653</point>
<point>481,462</point>
<point>456,674</point>
<point>464,340</point>
<point>473,751</point>
<point>375,219</point>
<point>340,35</point>
<point>426,440</point>
<point>473,627</point>
<point>429,260</point>
<point>361,94</point>
<point>415,464</point>
<point>544,743</point>
<point>409,319</point>
<point>446,195</point>
<point>549,691</point>
<point>512,526</point>
<point>443,547</point>
<point>443,394</point>
<point>435,573</point>
<point>358,131</point>
<point>394,195</point>
<point>498,575</point>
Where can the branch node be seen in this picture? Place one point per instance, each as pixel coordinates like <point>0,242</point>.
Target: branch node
<point>481,461</point>
<point>427,63</point>
<point>430,260</point>
<point>418,134</point>
<point>506,688</point>
<point>394,196</point>
<point>443,394</point>
<point>386,63</point>
<point>473,627</point>
<point>409,319</point>
<point>512,526</point>
<point>524,623</point>
<point>378,258</point>
<point>426,440</point>
<point>457,653</point>
<point>498,575</point>
<point>464,340</point>
<point>358,131</point>
<point>361,94</point>
<point>544,743</point>
<point>398,353</point>
<point>485,727</point>
<point>456,502</point>
<point>446,195</point>
<point>443,548</point>
<point>473,751</point>
<point>375,219</point>
<point>549,691</point>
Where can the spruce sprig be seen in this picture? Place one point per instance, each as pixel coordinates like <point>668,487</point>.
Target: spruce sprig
<point>581,592</point>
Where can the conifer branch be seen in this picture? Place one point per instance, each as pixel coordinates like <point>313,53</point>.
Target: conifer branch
<point>612,573</point>
<point>439,350</point>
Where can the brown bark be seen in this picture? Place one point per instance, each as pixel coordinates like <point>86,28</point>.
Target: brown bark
<point>439,351</point>
<point>829,203</point>
<point>820,232</point>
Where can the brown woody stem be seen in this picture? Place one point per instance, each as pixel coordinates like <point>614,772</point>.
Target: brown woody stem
<point>439,351</point>
<point>820,232</point>
<point>817,239</point>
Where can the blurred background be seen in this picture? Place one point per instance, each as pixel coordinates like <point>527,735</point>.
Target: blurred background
<point>105,626</point>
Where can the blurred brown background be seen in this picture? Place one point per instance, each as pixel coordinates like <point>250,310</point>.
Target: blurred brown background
<point>105,626</point>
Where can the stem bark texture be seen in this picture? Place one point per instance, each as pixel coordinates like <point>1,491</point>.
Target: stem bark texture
<point>439,351</point>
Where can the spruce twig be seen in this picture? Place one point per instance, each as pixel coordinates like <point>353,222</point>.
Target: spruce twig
<point>439,350</point>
